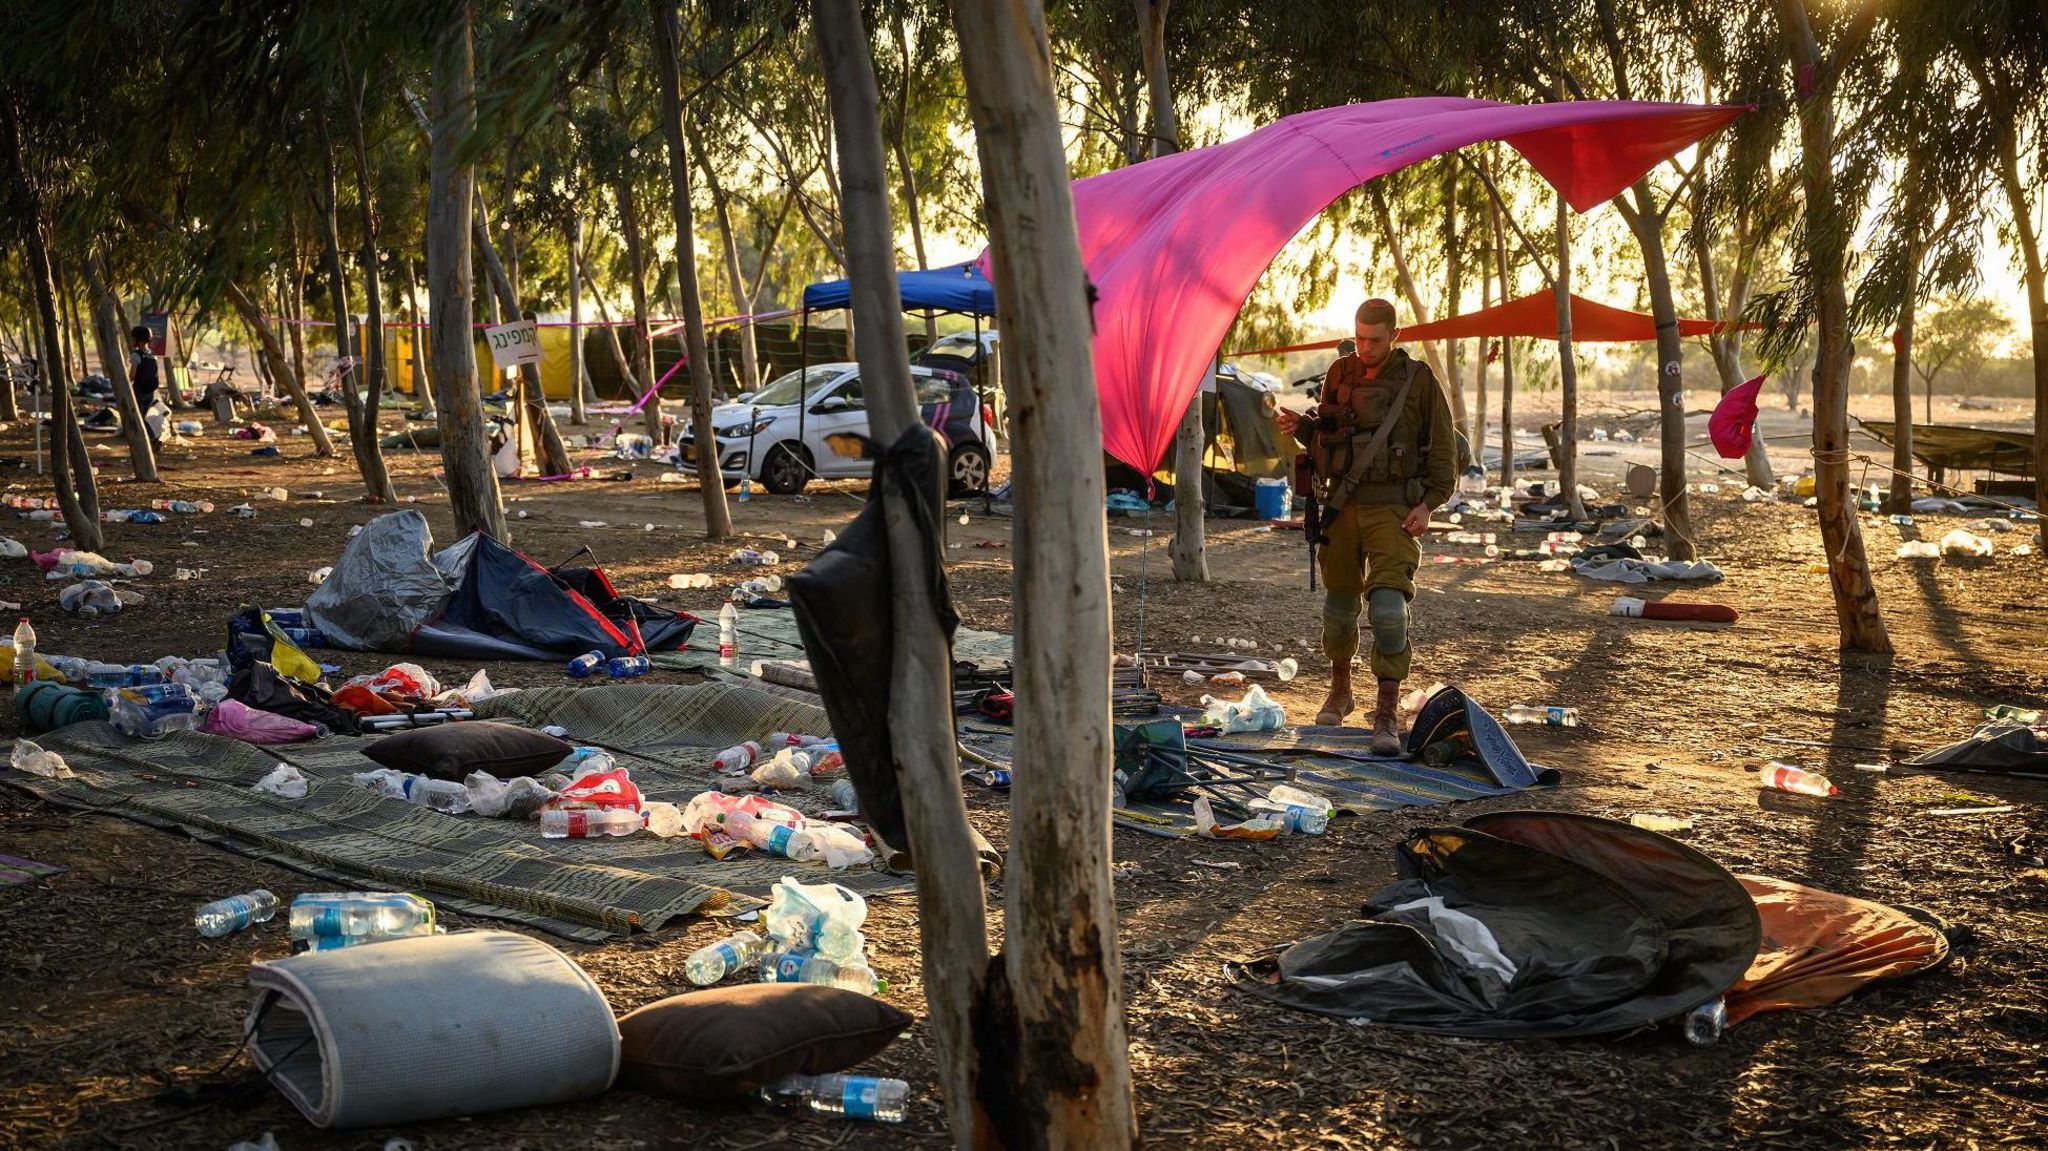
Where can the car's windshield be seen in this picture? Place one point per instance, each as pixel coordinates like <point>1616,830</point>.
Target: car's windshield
<point>962,344</point>
<point>784,390</point>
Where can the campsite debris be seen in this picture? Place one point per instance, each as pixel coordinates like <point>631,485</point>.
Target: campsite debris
<point>1297,810</point>
<point>1918,550</point>
<point>1998,809</point>
<point>1262,826</point>
<point>1412,701</point>
<point>227,916</point>
<point>849,1096</point>
<point>737,758</point>
<point>800,965</point>
<point>325,921</point>
<point>822,920</point>
<point>627,666</point>
<point>583,665</point>
<point>1228,678</point>
<point>1877,768</point>
<point>1899,520</point>
<point>1551,716</point>
<point>728,635</point>
<point>1785,777</point>
<point>748,557</point>
<point>1704,1024</point>
<point>515,798</point>
<point>1960,544</point>
<point>593,523</point>
<point>284,781</point>
<point>30,757</point>
<point>714,961</point>
<point>184,574</point>
<point>246,511</point>
<point>845,797</point>
<point>24,652</point>
<point>2024,715</point>
<point>1218,864</point>
<point>443,795</point>
<point>662,819</point>
<point>154,710</point>
<point>1633,608</point>
<point>1661,823</point>
<point>682,581</point>
<point>1255,712</point>
<point>581,823</point>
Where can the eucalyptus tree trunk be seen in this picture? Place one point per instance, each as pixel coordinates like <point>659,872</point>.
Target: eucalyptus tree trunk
<point>111,339</point>
<point>1189,549</point>
<point>1055,1004</point>
<point>422,383</point>
<point>280,371</point>
<point>1725,344</point>
<point>364,430</point>
<point>1479,365</point>
<point>951,911</point>
<point>735,277</point>
<point>643,339</point>
<point>1567,372</point>
<point>1418,314</point>
<point>465,449</point>
<point>667,42</point>
<point>1826,235</point>
<point>553,456</point>
<point>1900,502</point>
<point>1507,352</point>
<point>295,298</point>
<point>1673,506</point>
<point>578,414</point>
<point>611,332</point>
<point>1454,293</point>
<point>899,143</point>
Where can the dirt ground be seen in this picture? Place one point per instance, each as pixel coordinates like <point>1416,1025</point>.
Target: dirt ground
<point>110,997</point>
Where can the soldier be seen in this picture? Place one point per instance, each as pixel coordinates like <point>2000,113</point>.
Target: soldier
<point>1383,451</point>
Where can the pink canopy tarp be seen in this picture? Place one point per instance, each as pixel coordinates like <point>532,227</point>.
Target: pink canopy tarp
<point>1535,315</point>
<point>1175,245</point>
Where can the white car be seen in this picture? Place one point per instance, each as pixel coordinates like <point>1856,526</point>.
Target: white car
<point>777,435</point>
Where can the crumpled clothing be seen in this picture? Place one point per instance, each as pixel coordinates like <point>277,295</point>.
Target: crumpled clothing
<point>1644,571</point>
<point>237,720</point>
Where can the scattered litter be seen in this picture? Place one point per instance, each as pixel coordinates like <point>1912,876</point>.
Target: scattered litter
<point>246,511</point>
<point>1264,826</point>
<point>284,781</point>
<point>1999,809</point>
<point>305,521</point>
<point>1877,768</point>
<point>1255,712</point>
<point>319,575</point>
<point>1960,544</point>
<point>30,757</point>
<point>1658,822</point>
<point>184,574</point>
<point>593,523</point>
<point>515,798</point>
<point>1918,550</point>
<point>1785,777</point>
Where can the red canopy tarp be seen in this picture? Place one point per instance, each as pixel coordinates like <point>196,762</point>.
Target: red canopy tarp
<point>1536,315</point>
<point>1175,245</point>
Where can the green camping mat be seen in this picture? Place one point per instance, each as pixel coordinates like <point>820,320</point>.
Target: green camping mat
<point>587,890</point>
<point>770,633</point>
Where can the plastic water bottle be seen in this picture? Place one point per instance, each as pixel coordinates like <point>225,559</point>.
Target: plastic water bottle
<point>850,1096</point>
<point>24,654</point>
<point>152,711</point>
<point>324,921</point>
<point>227,916</point>
<point>774,838</point>
<point>584,664</point>
<point>588,823</point>
<point>804,965</point>
<point>627,666</point>
<point>1704,1024</point>
<point>1553,716</point>
<point>737,758</point>
<point>728,635</point>
<point>1785,777</point>
<point>844,796</point>
<point>707,965</point>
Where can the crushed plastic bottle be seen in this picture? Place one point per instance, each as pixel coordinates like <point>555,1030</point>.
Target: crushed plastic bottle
<point>1704,1024</point>
<point>30,757</point>
<point>443,795</point>
<point>713,962</point>
<point>224,917</point>
<point>1785,777</point>
<point>848,1096</point>
<point>1553,716</point>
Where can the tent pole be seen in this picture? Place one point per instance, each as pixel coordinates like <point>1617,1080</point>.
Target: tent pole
<point>803,375</point>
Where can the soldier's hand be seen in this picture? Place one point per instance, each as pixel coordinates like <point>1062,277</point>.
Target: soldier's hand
<point>1417,520</point>
<point>1288,421</point>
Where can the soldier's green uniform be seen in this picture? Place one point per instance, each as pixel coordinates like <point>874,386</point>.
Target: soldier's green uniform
<point>1368,558</point>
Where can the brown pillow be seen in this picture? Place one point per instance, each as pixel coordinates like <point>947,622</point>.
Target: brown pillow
<point>724,1042</point>
<point>453,750</point>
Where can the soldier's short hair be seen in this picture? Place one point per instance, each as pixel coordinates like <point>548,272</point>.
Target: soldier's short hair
<point>1376,311</point>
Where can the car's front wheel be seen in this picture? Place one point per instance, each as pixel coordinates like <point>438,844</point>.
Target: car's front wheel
<point>785,470</point>
<point>967,470</point>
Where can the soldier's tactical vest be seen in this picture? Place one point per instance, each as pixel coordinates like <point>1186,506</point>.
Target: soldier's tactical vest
<point>1396,476</point>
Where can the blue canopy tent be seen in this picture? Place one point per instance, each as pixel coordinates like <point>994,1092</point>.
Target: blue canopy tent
<point>960,289</point>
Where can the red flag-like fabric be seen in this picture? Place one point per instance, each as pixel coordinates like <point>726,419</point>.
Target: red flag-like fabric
<point>1734,419</point>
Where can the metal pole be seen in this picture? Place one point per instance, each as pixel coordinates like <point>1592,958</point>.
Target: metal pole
<point>803,374</point>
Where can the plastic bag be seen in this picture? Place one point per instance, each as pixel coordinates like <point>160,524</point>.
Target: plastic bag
<point>781,772</point>
<point>839,847</point>
<point>604,789</point>
<point>515,798</point>
<point>663,819</point>
<point>237,720</point>
<point>1960,544</point>
<point>1255,712</point>
<point>477,690</point>
<point>30,757</point>
<point>284,781</point>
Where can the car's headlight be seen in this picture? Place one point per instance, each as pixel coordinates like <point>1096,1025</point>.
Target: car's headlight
<point>740,431</point>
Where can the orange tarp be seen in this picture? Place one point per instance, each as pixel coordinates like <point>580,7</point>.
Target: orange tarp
<point>1820,948</point>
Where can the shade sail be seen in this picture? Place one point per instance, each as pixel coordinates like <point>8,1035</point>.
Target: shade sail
<point>1535,315</point>
<point>1175,245</point>
<point>960,288</point>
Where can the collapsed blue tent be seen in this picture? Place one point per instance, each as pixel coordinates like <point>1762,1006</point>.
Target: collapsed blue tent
<point>960,288</point>
<point>390,591</point>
